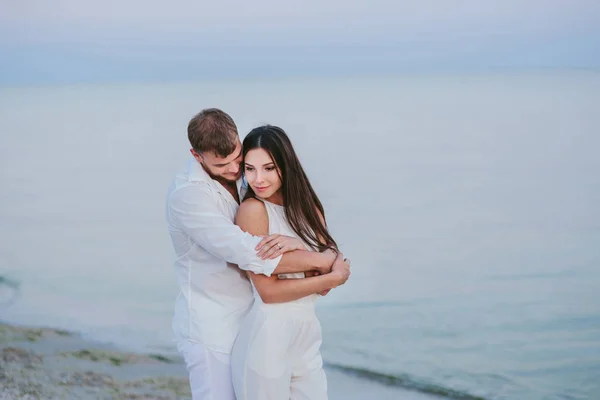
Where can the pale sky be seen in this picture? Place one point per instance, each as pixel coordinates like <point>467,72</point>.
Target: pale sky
<point>102,40</point>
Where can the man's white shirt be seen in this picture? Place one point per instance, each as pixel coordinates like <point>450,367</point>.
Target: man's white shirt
<point>214,294</point>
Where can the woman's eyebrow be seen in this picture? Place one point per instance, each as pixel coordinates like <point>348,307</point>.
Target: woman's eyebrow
<point>264,165</point>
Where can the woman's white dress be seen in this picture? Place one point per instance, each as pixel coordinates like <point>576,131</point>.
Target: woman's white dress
<point>276,354</point>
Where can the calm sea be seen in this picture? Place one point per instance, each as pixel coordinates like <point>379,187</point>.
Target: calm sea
<point>469,205</point>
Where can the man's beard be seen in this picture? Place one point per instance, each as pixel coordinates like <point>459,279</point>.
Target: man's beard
<point>221,178</point>
<point>226,179</point>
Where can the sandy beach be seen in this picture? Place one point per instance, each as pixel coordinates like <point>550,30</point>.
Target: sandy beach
<point>45,363</point>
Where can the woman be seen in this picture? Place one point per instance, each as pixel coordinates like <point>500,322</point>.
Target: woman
<point>276,355</point>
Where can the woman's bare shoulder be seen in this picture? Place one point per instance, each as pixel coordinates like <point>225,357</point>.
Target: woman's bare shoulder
<point>252,217</point>
<point>251,206</point>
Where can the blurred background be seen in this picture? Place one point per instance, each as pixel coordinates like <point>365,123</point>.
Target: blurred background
<point>454,145</point>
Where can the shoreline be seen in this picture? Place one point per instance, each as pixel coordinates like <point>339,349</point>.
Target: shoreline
<point>47,363</point>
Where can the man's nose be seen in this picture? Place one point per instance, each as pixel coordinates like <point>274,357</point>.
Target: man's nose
<point>234,169</point>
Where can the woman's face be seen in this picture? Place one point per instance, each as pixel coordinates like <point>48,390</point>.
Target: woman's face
<point>263,176</point>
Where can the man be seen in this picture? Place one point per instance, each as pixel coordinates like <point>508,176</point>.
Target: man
<point>214,294</point>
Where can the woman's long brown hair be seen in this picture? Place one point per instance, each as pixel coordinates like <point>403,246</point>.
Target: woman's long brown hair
<point>299,199</point>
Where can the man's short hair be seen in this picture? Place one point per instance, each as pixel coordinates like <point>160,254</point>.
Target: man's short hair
<point>213,130</point>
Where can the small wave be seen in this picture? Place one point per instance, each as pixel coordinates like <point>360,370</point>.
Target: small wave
<point>405,381</point>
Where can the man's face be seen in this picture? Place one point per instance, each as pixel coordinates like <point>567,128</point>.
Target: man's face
<point>219,168</point>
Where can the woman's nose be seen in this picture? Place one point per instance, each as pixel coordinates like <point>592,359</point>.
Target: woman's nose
<point>259,177</point>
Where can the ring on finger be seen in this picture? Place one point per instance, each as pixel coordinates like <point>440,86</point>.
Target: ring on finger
<point>279,245</point>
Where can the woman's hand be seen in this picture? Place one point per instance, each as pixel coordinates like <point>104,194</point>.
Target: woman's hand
<point>317,273</point>
<point>273,246</point>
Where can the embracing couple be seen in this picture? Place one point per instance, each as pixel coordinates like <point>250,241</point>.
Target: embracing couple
<point>253,253</point>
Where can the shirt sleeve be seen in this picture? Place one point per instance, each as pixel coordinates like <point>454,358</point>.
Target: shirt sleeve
<point>194,209</point>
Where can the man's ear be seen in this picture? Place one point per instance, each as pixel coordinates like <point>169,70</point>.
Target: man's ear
<point>196,155</point>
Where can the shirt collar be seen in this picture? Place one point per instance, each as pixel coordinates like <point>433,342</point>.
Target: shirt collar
<point>242,187</point>
<point>196,173</point>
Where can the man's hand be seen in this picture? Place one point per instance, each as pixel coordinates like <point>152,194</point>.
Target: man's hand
<point>273,246</point>
<point>340,270</point>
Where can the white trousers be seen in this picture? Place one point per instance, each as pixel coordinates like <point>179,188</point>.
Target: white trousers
<point>210,372</point>
<point>276,355</point>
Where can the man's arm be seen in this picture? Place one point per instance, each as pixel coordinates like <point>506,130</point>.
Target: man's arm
<point>252,217</point>
<point>273,290</point>
<point>195,211</point>
<point>304,261</point>
<point>275,245</point>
